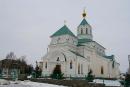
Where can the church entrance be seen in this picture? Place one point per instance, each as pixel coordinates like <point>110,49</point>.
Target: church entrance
<point>58,69</point>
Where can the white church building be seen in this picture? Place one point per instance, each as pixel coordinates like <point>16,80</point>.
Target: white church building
<point>77,54</point>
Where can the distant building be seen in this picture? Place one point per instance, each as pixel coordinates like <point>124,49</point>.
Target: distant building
<point>77,55</point>
<point>14,68</point>
<point>9,68</point>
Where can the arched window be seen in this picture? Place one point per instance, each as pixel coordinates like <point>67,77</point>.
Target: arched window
<point>78,68</point>
<point>58,59</point>
<point>86,31</point>
<point>46,65</point>
<point>102,71</point>
<point>71,65</point>
<point>81,31</point>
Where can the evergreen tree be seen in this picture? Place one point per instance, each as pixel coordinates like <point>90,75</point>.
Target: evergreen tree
<point>57,74</point>
<point>127,80</point>
<point>90,77</point>
<point>29,69</point>
<point>38,71</point>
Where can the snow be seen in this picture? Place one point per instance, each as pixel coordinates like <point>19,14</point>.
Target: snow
<point>29,84</point>
<point>4,82</point>
<point>108,82</point>
<point>35,84</point>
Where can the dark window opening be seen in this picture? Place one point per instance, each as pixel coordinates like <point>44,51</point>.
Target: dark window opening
<point>58,59</point>
<point>102,71</point>
<point>46,65</point>
<point>81,31</point>
<point>71,65</point>
<point>78,68</point>
<point>86,31</point>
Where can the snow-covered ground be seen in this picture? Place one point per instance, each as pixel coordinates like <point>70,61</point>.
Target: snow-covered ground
<point>108,82</point>
<point>29,84</point>
<point>26,83</point>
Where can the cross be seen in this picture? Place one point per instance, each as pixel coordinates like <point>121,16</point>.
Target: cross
<point>64,22</point>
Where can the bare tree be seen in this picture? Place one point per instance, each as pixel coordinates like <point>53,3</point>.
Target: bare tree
<point>11,55</point>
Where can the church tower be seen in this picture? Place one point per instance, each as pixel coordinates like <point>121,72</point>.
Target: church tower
<point>84,30</point>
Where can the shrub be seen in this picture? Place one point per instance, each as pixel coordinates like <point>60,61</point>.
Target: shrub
<point>57,74</point>
<point>90,77</point>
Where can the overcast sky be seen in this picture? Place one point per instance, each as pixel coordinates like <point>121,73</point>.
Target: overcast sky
<point>26,25</point>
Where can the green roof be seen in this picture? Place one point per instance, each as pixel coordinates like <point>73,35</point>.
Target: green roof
<point>110,57</point>
<point>84,22</point>
<point>62,31</point>
<point>80,45</point>
<point>84,40</point>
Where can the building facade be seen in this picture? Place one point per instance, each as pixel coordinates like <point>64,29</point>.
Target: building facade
<point>14,68</point>
<point>77,54</point>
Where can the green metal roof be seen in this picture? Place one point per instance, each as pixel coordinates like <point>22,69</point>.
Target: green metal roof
<point>62,31</point>
<point>110,57</point>
<point>78,45</point>
<point>84,40</point>
<point>84,22</point>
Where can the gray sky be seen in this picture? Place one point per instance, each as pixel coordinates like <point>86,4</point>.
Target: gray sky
<point>26,25</point>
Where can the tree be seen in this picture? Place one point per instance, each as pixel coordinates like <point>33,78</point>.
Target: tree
<point>29,69</point>
<point>11,55</point>
<point>57,74</point>
<point>38,71</point>
<point>90,77</point>
<point>23,66</point>
<point>127,80</point>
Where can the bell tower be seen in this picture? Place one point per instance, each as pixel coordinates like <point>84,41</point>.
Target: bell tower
<point>84,30</point>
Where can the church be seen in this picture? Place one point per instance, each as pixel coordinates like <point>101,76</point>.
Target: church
<point>76,55</point>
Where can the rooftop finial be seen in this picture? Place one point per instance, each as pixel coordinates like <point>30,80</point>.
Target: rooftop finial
<point>64,22</point>
<point>84,13</point>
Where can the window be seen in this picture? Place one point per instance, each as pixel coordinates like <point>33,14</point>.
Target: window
<point>113,65</point>
<point>67,39</point>
<point>58,59</point>
<point>71,65</point>
<point>86,31</point>
<point>81,31</point>
<point>58,40</point>
<point>102,71</point>
<point>78,68</point>
<point>46,65</point>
